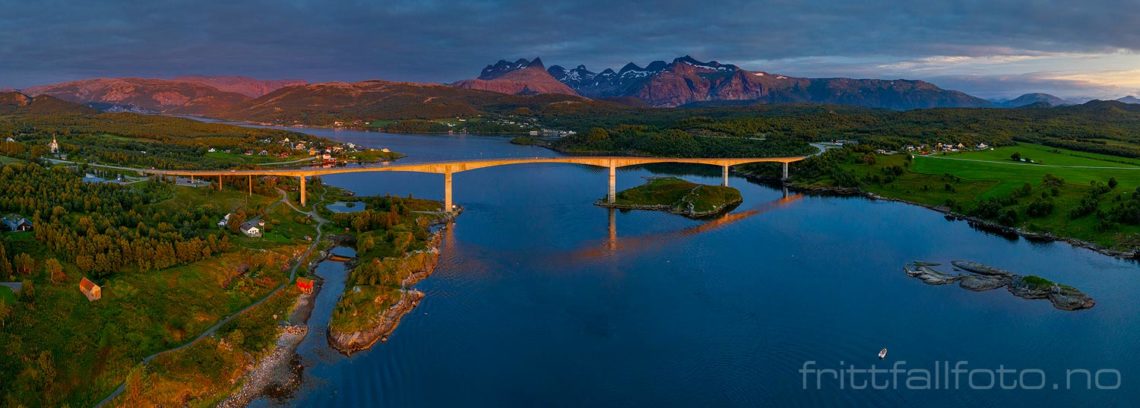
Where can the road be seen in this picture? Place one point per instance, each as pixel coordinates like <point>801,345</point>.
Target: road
<point>213,329</point>
<point>1013,163</point>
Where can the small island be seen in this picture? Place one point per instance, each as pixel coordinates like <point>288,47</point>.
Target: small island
<point>980,278</point>
<point>678,197</point>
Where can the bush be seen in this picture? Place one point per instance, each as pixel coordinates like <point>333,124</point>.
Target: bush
<point>1039,208</point>
<point>1087,205</point>
<point>1050,180</point>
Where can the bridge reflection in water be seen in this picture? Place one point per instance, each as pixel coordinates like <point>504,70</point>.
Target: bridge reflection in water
<point>614,244</point>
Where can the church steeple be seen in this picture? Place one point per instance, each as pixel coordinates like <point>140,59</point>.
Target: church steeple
<point>54,145</point>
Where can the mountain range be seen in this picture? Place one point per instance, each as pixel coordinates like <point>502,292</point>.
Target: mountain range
<point>506,85</point>
<point>194,95</point>
<point>12,102</point>
<point>686,80</point>
<point>521,77</point>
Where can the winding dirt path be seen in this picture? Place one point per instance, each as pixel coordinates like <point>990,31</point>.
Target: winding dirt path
<point>213,329</point>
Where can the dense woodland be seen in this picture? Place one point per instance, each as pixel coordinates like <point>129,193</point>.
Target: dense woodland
<point>1098,126</point>
<point>646,141</point>
<point>104,227</point>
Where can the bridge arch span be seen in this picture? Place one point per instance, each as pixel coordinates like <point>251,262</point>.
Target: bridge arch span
<point>449,168</point>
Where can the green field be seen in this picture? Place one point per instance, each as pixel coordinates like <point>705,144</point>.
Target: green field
<point>4,160</point>
<point>990,185</point>
<point>996,166</point>
<point>6,295</point>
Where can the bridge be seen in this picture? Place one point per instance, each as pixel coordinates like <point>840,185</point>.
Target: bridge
<point>447,169</point>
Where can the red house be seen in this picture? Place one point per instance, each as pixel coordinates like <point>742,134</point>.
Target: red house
<point>305,285</point>
<point>90,289</point>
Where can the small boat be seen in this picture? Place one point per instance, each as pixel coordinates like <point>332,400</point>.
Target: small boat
<point>883,353</point>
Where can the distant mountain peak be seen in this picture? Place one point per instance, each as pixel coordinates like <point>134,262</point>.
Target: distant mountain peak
<point>687,80</point>
<point>630,67</point>
<point>1034,99</point>
<point>503,67</point>
<point>521,77</point>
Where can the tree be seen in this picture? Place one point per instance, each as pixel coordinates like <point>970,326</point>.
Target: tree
<point>5,311</point>
<point>1050,180</point>
<point>54,271</point>
<point>1112,182</point>
<point>597,135</point>
<point>24,264</point>
<point>5,265</point>
<point>1016,156</point>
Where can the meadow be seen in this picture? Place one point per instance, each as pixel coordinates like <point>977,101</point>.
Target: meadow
<point>1078,203</point>
<point>63,349</point>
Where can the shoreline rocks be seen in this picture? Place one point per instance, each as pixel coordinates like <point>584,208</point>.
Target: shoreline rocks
<point>348,343</point>
<point>388,320</point>
<point>979,278</point>
<point>976,223</point>
<point>276,370</point>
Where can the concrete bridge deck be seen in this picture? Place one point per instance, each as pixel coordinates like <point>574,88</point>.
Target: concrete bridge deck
<point>451,167</point>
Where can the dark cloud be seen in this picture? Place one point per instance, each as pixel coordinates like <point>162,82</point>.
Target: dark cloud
<point>436,40</point>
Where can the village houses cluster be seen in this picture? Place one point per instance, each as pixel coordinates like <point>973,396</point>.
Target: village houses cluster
<point>323,154</point>
<point>925,149</point>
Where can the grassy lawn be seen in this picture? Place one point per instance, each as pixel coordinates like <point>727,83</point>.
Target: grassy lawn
<point>961,180</point>
<point>6,295</point>
<point>205,373</point>
<point>1006,175</point>
<point>4,160</point>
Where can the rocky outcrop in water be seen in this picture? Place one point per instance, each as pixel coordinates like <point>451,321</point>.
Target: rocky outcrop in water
<point>389,319</point>
<point>978,277</point>
<point>349,343</point>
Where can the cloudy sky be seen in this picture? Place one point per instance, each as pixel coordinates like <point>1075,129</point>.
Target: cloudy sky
<point>990,48</point>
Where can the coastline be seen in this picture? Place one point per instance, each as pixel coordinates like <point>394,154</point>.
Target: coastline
<point>728,206</point>
<point>274,370</point>
<point>389,319</point>
<point>975,222</point>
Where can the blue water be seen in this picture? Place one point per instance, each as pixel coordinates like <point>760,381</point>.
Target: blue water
<point>542,299</point>
<point>346,207</point>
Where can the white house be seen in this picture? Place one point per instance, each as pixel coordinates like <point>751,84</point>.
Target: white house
<point>253,228</point>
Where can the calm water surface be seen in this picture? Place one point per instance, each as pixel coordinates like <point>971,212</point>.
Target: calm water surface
<point>542,299</point>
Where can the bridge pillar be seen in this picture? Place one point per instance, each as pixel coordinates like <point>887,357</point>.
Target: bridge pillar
<point>219,182</point>
<point>785,171</point>
<point>612,196</point>
<point>447,206</point>
<point>251,185</point>
<point>724,176</point>
<point>302,191</point>
<point>191,179</point>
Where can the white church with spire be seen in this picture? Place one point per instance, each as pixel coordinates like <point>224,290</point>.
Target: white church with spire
<point>54,145</point>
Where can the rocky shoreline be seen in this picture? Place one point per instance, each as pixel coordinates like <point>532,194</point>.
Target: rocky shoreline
<point>349,343</point>
<point>389,319</point>
<point>979,278</point>
<point>977,223</point>
<point>687,211</point>
<point>276,371</point>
